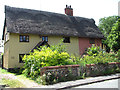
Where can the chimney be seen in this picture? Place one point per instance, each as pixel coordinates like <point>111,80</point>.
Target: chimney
<point>68,10</point>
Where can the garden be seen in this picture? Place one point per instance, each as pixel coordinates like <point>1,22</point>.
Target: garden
<point>65,67</point>
<point>57,56</point>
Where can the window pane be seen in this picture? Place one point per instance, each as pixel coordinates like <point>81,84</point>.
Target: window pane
<point>46,39</point>
<point>24,38</point>
<point>27,38</point>
<point>43,38</point>
<point>21,38</point>
<point>66,39</point>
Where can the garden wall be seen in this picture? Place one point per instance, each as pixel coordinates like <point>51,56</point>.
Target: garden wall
<point>61,70</point>
<point>101,69</point>
<point>89,69</point>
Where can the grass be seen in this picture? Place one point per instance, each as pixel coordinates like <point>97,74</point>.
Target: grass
<point>23,77</point>
<point>12,83</point>
<point>2,71</point>
<point>20,82</point>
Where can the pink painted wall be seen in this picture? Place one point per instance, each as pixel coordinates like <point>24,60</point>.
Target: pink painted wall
<point>84,43</point>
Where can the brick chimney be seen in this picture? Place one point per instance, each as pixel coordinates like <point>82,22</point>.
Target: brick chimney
<point>68,10</point>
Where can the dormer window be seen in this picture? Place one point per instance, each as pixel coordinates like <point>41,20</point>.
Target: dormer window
<point>66,39</point>
<point>45,38</point>
<point>24,38</point>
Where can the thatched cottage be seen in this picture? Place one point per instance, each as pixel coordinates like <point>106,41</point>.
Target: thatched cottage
<point>25,28</point>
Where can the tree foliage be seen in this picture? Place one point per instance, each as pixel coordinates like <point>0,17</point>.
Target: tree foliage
<point>105,25</point>
<point>114,37</point>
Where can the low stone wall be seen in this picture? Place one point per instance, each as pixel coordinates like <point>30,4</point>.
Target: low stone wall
<point>55,74</point>
<point>61,70</point>
<point>101,69</point>
<point>88,70</point>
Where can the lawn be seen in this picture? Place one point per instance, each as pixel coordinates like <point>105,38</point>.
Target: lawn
<point>13,80</point>
<point>3,71</point>
<point>12,83</point>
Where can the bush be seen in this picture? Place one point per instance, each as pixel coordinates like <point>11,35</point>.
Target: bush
<point>94,50</point>
<point>97,55</point>
<point>75,59</point>
<point>47,56</point>
<point>118,55</point>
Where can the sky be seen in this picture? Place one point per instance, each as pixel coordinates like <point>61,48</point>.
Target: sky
<point>95,9</point>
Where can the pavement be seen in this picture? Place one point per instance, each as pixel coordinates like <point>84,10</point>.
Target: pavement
<point>90,80</point>
<point>75,83</point>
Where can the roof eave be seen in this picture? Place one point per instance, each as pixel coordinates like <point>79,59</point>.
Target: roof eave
<point>4,29</point>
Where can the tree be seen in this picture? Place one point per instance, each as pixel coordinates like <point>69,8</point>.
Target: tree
<point>105,25</point>
<point>114,37</point>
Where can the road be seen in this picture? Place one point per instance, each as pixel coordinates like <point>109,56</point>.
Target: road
<point>105,84</point>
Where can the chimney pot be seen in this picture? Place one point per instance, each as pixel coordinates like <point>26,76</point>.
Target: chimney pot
<point>68,10</point>
<point>66,6</point>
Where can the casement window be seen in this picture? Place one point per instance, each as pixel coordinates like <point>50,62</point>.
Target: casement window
<point>92,41</point>
<point>24,38</point>
<point>45,38</point>
<point>21,57</point>
<point>66,39</point>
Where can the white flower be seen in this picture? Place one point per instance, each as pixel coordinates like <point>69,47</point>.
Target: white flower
<point>65,74</point>
<point>49,73</point>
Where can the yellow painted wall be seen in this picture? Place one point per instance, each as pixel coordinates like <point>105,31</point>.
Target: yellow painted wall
<point>17,47</point>
<point>72,47</point>
<point>6,49</point>
<point>6,55</point>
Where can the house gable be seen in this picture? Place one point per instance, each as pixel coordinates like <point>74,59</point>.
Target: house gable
<point>23,21</point>
<point>36,24</point>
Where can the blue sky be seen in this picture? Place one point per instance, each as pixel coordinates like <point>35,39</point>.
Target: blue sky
<point>95,9</point>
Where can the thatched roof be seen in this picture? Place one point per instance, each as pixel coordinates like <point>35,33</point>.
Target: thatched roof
<point>19,20</point>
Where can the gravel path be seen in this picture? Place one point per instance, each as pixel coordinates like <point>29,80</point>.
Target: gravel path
<point>28,83</point>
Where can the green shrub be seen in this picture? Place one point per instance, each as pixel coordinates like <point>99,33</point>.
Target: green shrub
<point>47,56</point>
<point>99,58</point>
<point>97,55</point>
<point>75,59</point>
<point>94,50</point>
<point>118,55</point>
